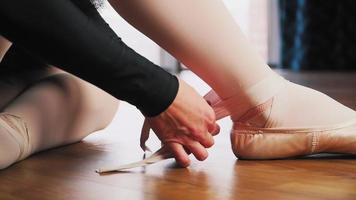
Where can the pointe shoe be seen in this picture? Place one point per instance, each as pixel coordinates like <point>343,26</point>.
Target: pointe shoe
<point>256,136</point>
<point>15,140</point>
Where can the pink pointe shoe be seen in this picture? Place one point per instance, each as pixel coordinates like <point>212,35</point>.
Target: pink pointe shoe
<point>14,138</point>
<point>256,136</point>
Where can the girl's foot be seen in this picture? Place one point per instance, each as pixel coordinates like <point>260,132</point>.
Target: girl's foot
<point>286,120</point>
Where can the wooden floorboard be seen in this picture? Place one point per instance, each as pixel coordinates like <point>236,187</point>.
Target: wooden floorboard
<point>68,172</point>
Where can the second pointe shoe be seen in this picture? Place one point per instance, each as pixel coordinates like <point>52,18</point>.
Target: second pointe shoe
<point>14,140</point>
<point>264,132</point>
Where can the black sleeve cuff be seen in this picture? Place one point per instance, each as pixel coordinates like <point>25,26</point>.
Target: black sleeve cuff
<point>160,98</point>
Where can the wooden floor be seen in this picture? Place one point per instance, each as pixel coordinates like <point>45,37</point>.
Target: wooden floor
<point>68,172</point>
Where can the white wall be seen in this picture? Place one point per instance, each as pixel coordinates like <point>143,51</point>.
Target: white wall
<point>252,17</point>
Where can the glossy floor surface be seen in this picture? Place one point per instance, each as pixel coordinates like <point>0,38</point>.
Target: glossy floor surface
<point>68,172</point>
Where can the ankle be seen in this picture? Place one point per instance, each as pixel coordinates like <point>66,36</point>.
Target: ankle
<point>243,105</point>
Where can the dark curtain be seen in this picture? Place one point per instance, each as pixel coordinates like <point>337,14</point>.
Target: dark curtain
<point>318,34</point>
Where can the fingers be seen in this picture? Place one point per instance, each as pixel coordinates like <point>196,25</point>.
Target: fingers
<point>206,137</point>
<point>199,130</point>
<point>194,147</point>
<point>199,134</point>
<point>179,153</point>
<point>197,150</point>
<point>208,141</point>
<point>214,129</point>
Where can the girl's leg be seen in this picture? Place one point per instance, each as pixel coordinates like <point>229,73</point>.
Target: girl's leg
<point>204,36</point>
<point>58,109</point>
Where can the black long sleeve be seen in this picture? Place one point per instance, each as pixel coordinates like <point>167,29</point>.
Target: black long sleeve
<point>60,33</point>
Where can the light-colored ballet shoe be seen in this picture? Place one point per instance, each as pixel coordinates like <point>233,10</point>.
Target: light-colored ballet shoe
<point>16,136</point>
<point>251,142</point>
<point>275,143</point>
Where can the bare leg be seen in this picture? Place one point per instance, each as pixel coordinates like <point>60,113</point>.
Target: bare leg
<point>59,109</point>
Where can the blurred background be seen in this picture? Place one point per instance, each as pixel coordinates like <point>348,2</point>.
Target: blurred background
<point>289,34</point>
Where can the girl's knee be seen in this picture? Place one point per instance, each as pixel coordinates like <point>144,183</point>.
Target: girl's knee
<point>91,104</point>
